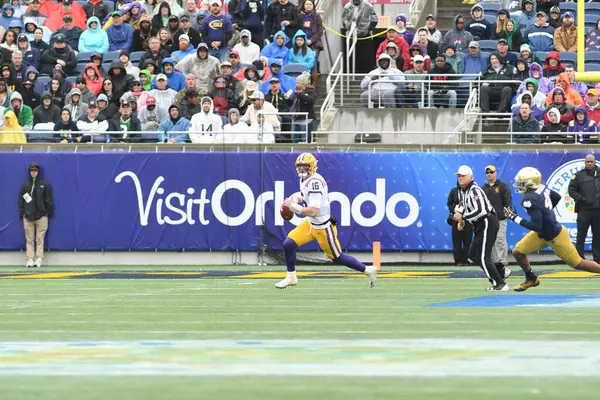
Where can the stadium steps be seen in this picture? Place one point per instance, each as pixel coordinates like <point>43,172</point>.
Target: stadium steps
<point>447,10</point>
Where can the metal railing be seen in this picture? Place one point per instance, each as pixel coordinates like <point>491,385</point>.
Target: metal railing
<point>328,104</point>
<point>351,36</point>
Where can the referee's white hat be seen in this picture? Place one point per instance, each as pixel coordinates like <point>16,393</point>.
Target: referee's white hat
<point>464,170</point>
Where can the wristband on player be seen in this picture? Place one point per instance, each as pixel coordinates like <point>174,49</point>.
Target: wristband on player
<point>518,220</point>
<point>296,208</point>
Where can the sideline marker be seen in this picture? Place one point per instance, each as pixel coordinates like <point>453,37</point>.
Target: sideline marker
<point>377,255</point>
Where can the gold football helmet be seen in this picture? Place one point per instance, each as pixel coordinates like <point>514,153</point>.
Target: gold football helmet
<point>306,165</point>
<point>527,178</point>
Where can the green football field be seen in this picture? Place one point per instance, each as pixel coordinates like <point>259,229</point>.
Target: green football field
<point>227,333</point>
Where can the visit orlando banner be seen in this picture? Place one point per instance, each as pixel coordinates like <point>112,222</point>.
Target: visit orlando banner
<point>224,201</point>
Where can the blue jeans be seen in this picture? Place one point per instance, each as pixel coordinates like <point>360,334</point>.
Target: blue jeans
<point>305,132</point>
<point>221,54</point>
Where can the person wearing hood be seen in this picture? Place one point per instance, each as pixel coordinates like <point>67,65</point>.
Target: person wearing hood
<point>363,15</point>
<point>522,69</point>
<point>478,26</point>
<point>553,67</point>
<point>565,37</point>
<point>185,48</point>
<point>247,50</point>
<point>416,49</point>
<point>552,127</point>
<point>592,38</point>
<point>142,35</point>
<point>579,87</point>
<point>532,85</point>
<point>12,83</point>
<point>75,106</point>
<point>57,91</point>
<point>581,129</point>
<point>223,96</point>
<point>151,116</point>
<point>35,14</point>
<point>236,131</point>
<point>205,125</point>
<point>176,80</point>
<point>5,93</point>
<point>287,83</point>
<point>253,12</point>
<point>531,58</point>
<point>31,57</point>
<point>174,129</point>
<point>155,54</point>
<point>162,93</point>
<point>92,78</point>
<point>160,19</point>
<point>525,127</point>
<point>300,52</point>
<point>58,55</point>
<point>555,18</point>
<point>121,81</point>
<point>397,60</point>
<point>30,97</point>
<point>204,66</point>
<point>257,72</point>
<point>387,80</point>
<point>129,67</point>
<point>20,9</point>
<point>23,112</point>
<point>145,78</point>
<point>512,35</point>
<point>474,61</point>
<point>540,36</point>
<point>526,16</point>
<point>42,39</point>
<point>120,35</point>
<point>94,38</point>
<point>457,36</point>
<point>71,32</point>
<point>96,8</point>
<point>403,47</point>
<point>441,91</point>
<point>217,30</point>
<point>527,97</point>
<point>8,15</point>
<point>12,132</point>
<point>592,105</point>
<point>277,50</point>
<point>36,205</point>
<point>559,102</point>
<point>497,92</point>
<point>46,115</point>
<point>571,96</point>
<point>69,7</point>
<point>87,96</point>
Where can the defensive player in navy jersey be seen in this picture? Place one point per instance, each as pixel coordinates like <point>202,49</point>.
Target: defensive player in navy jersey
<point>539,201</point>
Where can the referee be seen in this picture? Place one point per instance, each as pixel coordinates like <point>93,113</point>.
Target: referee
<point>476,209</point>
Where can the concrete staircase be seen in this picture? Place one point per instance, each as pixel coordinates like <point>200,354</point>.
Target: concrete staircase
<point>447,10</point>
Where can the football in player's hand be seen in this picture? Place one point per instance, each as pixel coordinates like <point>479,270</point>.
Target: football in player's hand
<point>286,213</point>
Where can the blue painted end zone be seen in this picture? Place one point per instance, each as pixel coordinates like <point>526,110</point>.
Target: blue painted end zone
<point>525,300</point>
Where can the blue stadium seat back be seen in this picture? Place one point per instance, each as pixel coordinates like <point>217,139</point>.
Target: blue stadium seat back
<point>564,7</point>
<point>294,69</point>
<point>110,4</point>
<point>592,57</point>
<point>568,57</point>
<point>79,68</point>
<point>40,84</point>
<point>490,17</point>
<point>491,7</point>
<point>84,56</point>
<point>590,20</point>
<point>488,45</point>
<point>136,56</point>
<point>69,82</point>
<point>592,67</point>
<point>110,56</point>
<point>542,56</point>
<point>81,2</point>
<point>149,138</point>
<point>590,7</point>
<point>106,67</point>
<point>41,137</point>
<point>486,54</point>
<point>515,53</point>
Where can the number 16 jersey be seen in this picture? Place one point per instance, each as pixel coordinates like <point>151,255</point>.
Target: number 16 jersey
<point>315,194</point>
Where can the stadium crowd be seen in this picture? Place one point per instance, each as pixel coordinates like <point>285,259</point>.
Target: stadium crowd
<point>179,71</point>
<point>528,45</point>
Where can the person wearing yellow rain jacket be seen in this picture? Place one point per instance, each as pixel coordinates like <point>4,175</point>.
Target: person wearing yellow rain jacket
<point>12,133</point>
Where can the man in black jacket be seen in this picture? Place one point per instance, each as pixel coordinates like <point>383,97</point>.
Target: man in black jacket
<point>283,103</point>
<point>461,240</point>
<point>125,122</point>
<point>35,207</point>
<point>584,188</point>
<point>500,195</point>
<point>59,55</point>
<point>500,93</point>
<point>441,92</point>
<point>281,14</point>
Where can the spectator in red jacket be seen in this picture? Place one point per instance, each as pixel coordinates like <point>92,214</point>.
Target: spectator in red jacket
<point>592,105</point>
<point>392,36</point>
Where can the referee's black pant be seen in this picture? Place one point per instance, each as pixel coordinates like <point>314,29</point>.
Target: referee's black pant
<point>585,219</point>
<point>486,230</point>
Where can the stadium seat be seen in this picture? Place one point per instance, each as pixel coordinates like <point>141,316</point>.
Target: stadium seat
<point>491,7</point>
<point>486,54</point>
<point>542,55</point>
<point>564,7</point>
<point>136,56</point>
<point>110,4</point>
<point>42,137</point>
<point>294,69</point>
<point>106,67</point>
<point>568,57</point>
<point>487,45</point>
<point>592,57</point>
<point>40,84</point>
<point>148,138</point>
<point>590,21</point>
<point>110,56</point>
<point>592,67</point>
<point>490,17</point>
<point>81,2</point>
<point>69,82</point>
<point>84,56</point>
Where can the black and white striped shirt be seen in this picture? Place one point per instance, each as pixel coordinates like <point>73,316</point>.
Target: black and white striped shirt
<point>475,204</point>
